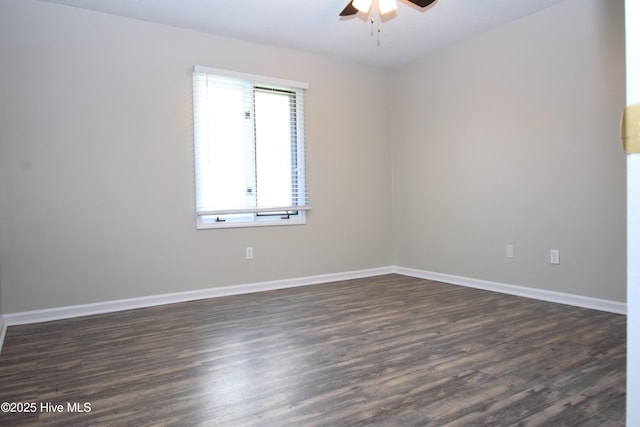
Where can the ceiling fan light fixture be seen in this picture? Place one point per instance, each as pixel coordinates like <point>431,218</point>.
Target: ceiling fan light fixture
<point>362,5</point>
<point>386,6</point>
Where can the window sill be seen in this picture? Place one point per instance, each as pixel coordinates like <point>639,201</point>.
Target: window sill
<point>243,224</point>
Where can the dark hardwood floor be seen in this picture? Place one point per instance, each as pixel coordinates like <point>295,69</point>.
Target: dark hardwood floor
<point>386,351</point>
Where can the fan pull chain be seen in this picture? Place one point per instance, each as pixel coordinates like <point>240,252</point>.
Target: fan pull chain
<point>375,12</point>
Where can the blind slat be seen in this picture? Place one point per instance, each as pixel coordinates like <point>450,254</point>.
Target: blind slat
<point>255,210</point>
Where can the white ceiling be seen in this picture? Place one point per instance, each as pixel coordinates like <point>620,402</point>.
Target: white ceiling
<point>314,25</point>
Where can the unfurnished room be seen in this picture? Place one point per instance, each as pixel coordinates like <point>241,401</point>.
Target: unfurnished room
<point>321,213</point>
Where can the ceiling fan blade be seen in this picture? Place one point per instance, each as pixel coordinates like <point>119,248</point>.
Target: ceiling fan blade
<point>349,10</point>
<point>422,3</point>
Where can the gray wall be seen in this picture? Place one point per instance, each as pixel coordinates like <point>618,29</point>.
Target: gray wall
<point>96,151</point>
<point>1,309</point>
<point>512,137</point>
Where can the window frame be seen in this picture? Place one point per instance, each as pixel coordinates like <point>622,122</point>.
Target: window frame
<point>255,216</point>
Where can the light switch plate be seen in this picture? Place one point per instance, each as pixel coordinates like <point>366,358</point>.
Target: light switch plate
<point>631,129</point>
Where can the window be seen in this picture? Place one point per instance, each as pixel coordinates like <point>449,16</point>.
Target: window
<point>249,150</point>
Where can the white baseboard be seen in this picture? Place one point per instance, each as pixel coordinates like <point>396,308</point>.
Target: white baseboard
<point>540,294</point>
<point>3,330</point>
<point>67,312</point>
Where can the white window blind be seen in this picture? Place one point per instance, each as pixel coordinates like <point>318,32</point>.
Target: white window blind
<point>249,149</point>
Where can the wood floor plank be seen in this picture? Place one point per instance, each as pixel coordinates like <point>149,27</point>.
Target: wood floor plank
<point>389,351</point>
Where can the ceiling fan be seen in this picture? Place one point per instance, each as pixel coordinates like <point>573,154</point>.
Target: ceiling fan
<point>384,6</point>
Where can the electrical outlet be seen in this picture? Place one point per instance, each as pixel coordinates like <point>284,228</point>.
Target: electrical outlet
<point>554,256</point>
<point>248,252</point>
<point>509,251</point>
